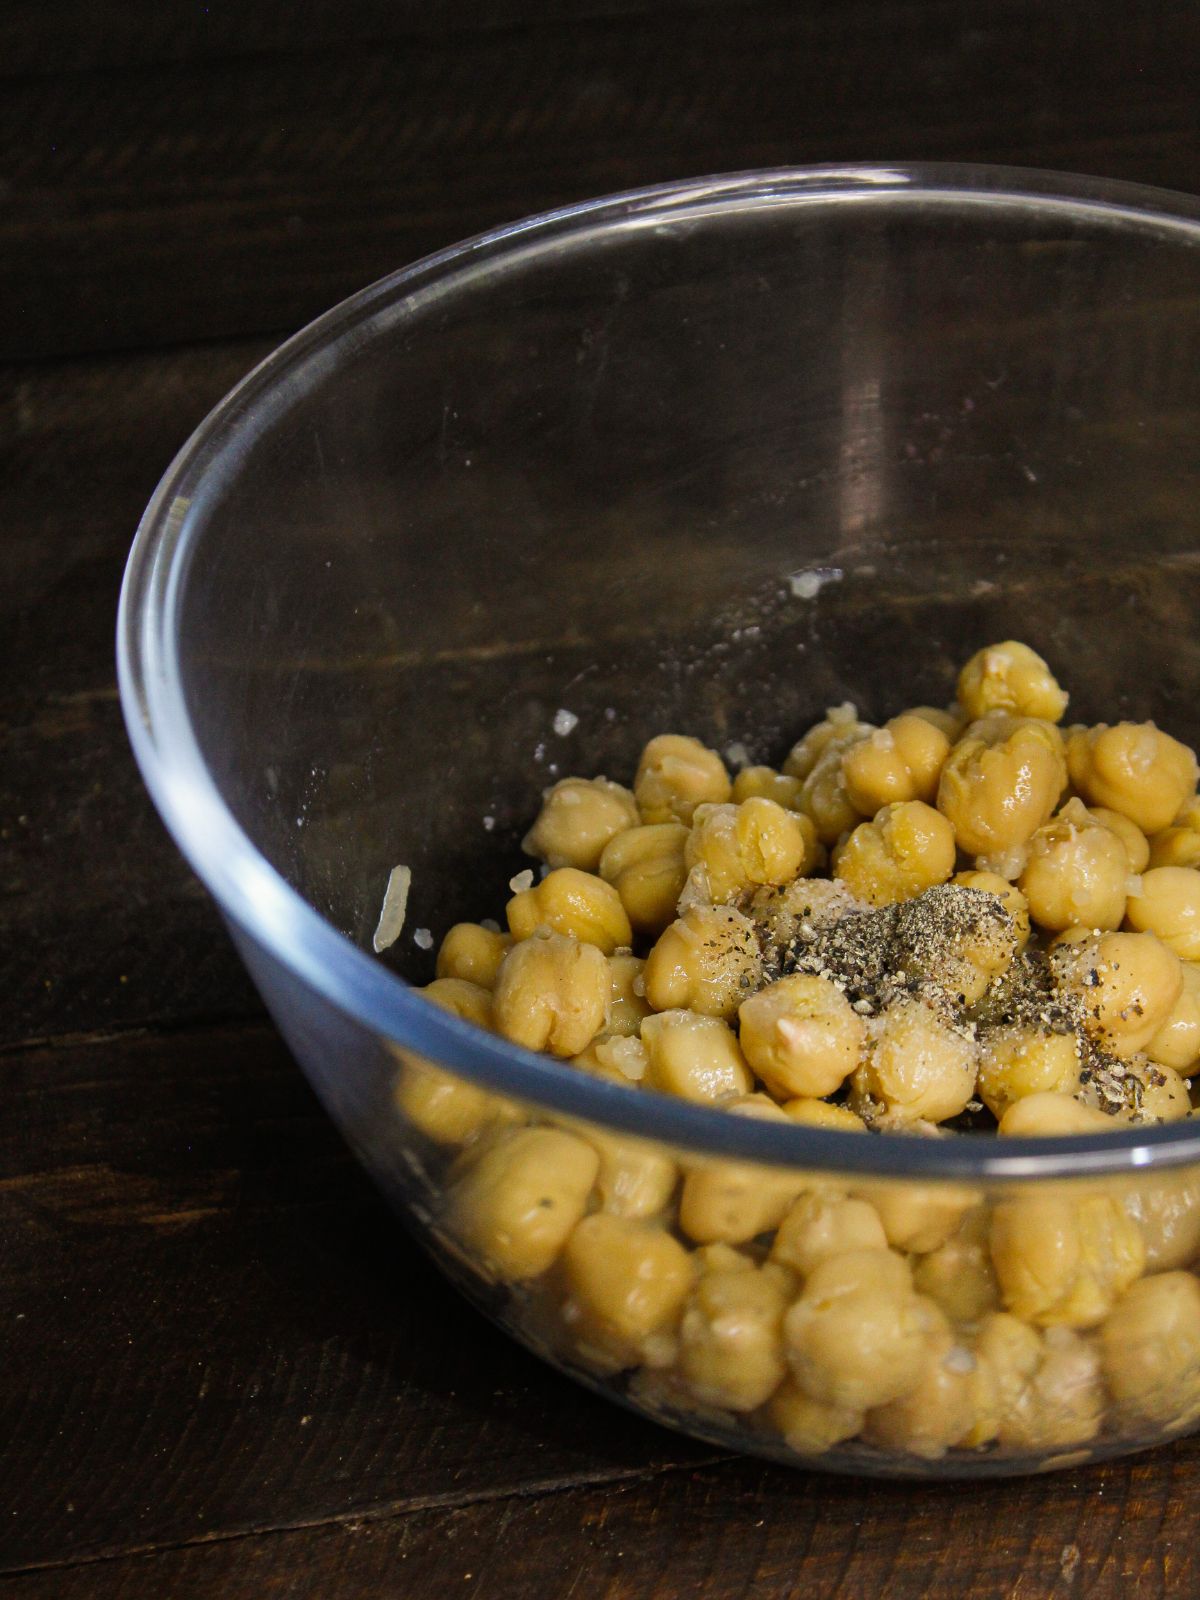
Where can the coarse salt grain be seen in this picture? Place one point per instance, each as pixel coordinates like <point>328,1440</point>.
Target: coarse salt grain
<point>422,938</point>
<point>522,881</point>
<point>807,585</point>
<point>564,722</point>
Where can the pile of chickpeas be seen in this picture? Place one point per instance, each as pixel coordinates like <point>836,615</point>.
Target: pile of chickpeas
<point>913,1318</point>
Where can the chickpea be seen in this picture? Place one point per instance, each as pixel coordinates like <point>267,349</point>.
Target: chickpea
<point>764,782</point>
<point>1047,1392</point>
<point>1134,769</point>
<point>900,761</point>
<point>779,912</point>
<point>839,727</point>
<point>958,1274</point>
<point>627,1003</point>
<point>1077,871</point>
<point>1015,1062</point>
<point>636,1178</point>
<point>619,1060</point>
<point>1153,1093</point>
<point>801,1036</point>
<point>956,938</point>
<point>919,1067</point>
<point>820,1114</point>
<point>1010,677</point>
<point>907,849</point>
<point>646,867</point>
<point>939,1410</point>
<point>823,1226</point>
<point>472,953</point>
<point>693,1056</point>
<point>1137,846</point>
<point>578,904</point>
<point>1173,847</point>
<point>1128,984</point>
<point>708,959</point>
<point>810,1427</point>
<point>447,1109</point>
<point>949,721</point>
<point>919,1217</point>
<point>1010,897</point>
<point>1150,1351</point>
<point>578,818</point>
<point>552,993</point>
<point>1167,1210</point>
<point>1048,1114</point>
<point>514,1208</point>
<point>856,1337</point>
<point>731,848</point>
<point>1168,905</point>
<point>996,795</point>
<point>732,1202</point>
<point>675,775</point>
<point>1177,1042</point>
<point>824,796</point>
<point>626,1282</point>
<point>1064,1257</point>
<point>731,1337</point>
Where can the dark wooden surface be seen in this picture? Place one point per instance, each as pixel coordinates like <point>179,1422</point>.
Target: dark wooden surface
<point>225,1371</point>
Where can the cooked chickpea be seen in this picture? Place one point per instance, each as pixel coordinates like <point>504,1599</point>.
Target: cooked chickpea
<point>1177,1042</point>
<point>708,959</point>
<point>824,797</point>
<point>821,1114</point>
<point>446,1108</point>
<point>1013,901</point>
<point>1132,768</point>
<point>731,1337</point>
<point>948,720</point>
<point>1167,904</point>
<point>514,1208</point>
<point>1015,1062</point>
<point>693,1056</point>
<point>958,1275</point>
<point>956,939</point>
<point>817,901</point>
<point>801,1036</point>
<point>733,847</point>
<point>822,1226</point>
<point>900,761</point>
<point>636,1178</point>
<point>918,1217</point>
<point>754,783</point>
<point>1137,846</point>
<point>1010,677</point>
<point>578,904</point>
<point>839,726</point>
<point>1048,1114</point>
<point>907,849</point>
<point>1077,871</point>
<point>939,1410</point>
<point>1128,984</point>
<point>856,1337</point>
<point>472,953</point>
<point>1173,847</point>
<point>1167,1210</point>
<point>626,1283</point>
<point>675,775</point>
<point>627,1002</point>
<point>1064,1258</point>
<point>808,1426</point>
<point>1150,1350</point>
<point>646,867</point>
<point>578,818</point>
<point>552,993</point>
<point>919,1068</point>
<point>996,795</point>
<point>732,1202</point>
<point>1047,1390</point>
<point>1154,1093</point>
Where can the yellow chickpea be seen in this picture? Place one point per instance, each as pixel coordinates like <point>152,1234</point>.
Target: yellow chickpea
<point>707,960</point>
<point>578,904</point>
<point>733,847</point>
<point>552,993</point>
<point>1167,1211</point>
<point>618,1059</point>
<point>675,775</point>
<point>1127,984</point>
<point>626,1282</point>
<point>646,867</point>
<point>1077,871</point>
<point>918,1217</point>
<point>958,1274</point>
<point>627,1002</point>
<point>939,1410</point>
<point>817,901</point>
<point>1137,846</point>
<point>802,1036</point>
<point>839,727</point>
<point>856,1337</point>
<point>1049,1114</point>
<point>1150,1350</point>
<point>1132,768</point>
<point>446,1108</point>
<point>824,797</point>
<point>636,1178</point>
<point>514,1208</point>
<point>948,721</point>
<point>578,818</point>
<point>956,939</point>
<point>473,953</point>
<point>1047,1391</point>
<point>1173,847</point>
<point>820,1114</point>
<point>1063,1258</point>
<point>900,761</point>
<point>996,795</point>
<point>822,1226</point>
<point>765,783</point>
<point>908,848</point>
<point>1013,901</point>
<point>1168,904</point>
<point>1154,1093</point>
<point>810,1427</point>
<point>731,1337</point>
<point>1177,1042</point>
<point>920,1068</point>
<point>1010,677</point>
<point>1015,1062</point>
<point>694,1056</point>
<point>732,1202</point>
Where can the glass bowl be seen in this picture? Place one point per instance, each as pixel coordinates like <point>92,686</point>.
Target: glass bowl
<point>707,457</point>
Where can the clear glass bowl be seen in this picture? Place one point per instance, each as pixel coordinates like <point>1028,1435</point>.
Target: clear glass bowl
<point>578,463</point>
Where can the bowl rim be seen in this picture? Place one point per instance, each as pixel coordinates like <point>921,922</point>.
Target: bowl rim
<point>274,916</point>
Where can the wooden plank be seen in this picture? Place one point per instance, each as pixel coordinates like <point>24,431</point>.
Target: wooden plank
<point>1126,1531</point>
<point>209,199</point>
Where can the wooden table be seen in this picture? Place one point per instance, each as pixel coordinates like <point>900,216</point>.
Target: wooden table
<point>225,1371</point>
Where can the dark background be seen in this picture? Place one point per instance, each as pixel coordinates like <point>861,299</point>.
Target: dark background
<point>223,1370</point>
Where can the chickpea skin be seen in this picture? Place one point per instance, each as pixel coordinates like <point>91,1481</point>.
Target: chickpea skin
<point>1132,768</point>
<point>900,761</point>
<point>996,795</point>
<point>707,960</point>
<point>919,1067</point>
<point>1015,1062</point>
<point>675,775</point>
<point>1168,905</point>
<point>906,849</point>
<point>767,784</point>
<point>1063,1258</point>
<point>694,1057</point>
<point>472,953</point>
<point>731,1337</point>
<point>578,904</point>
<point>732,848</point>
<point>1077,871</point>
<point>1127,983</point>
<point>646,867</point>
<point>1150,1351</point>
<point>552,993</point>
<point>578,818</point>
<point>1010,677</point>
<point>626,1283</point>
<point>801,1036</point>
